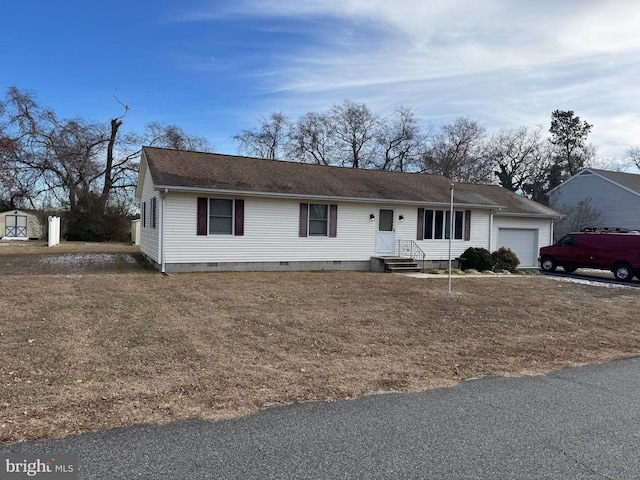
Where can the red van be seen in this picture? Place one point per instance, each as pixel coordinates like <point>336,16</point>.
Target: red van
<point>604,250</point>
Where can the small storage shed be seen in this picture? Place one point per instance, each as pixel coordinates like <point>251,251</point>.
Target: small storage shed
<point>20,225</point>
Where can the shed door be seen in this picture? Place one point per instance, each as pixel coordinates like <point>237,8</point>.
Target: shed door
<point>15,226</point>
<point>386,238</point>
<point>523,242</point>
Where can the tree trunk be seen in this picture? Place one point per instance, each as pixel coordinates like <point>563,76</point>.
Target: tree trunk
<point>108,171</point>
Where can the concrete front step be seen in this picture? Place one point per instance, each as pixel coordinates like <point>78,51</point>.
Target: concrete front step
<point>405,270</point>
<point>401,265</point>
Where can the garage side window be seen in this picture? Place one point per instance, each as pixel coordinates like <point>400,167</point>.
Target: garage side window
<point>436,224</point>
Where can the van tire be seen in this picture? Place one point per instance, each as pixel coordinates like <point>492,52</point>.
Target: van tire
<point>623,271</point>
<point>548,264</point>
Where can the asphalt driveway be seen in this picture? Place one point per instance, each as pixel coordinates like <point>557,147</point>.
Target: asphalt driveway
<point>576,423</point>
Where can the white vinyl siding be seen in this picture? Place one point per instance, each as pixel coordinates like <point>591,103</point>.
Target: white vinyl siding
<point>149,236</point>
<point>271,234</point>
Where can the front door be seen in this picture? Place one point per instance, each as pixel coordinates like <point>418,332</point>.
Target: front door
<point>15,226</point>
<point>386,238</point>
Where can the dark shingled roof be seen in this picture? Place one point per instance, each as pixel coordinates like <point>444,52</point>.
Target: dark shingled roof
<point>204,172</point>
<point>628,180</point>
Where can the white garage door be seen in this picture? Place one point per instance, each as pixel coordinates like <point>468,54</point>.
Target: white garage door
<point>523,242</point>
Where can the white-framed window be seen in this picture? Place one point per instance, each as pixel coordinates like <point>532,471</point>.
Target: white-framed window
<point>437,224</point>
<point>220,216</point>
<point>318,220</point>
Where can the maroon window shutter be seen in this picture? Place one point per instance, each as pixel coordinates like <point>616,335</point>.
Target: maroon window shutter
<point>467,225</point>
<point>333,220</point>
<point>304,219</point>
<point>239,218</point>
<point>420,224</point>
<point>202,215</point>
<point>144,214</point>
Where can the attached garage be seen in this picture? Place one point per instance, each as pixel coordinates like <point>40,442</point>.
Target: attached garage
<point>523,242</point>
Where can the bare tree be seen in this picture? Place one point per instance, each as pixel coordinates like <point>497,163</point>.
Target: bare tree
<point>400,141</point>
<point>516,154</point>
<point>63,154</point>
<point>633,155</point>
<point>172,136</point>
<point>268,141</point>
<point>456,151</point>
<point>311,139</point>
<point>87,168</point>
<point>354,128</point>
<point>576,217</point>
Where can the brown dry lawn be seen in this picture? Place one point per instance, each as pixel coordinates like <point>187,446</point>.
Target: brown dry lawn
<point>93,344</point>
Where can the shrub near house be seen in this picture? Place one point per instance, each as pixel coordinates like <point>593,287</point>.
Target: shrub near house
<point>481,260</point>
<point>505,259</point>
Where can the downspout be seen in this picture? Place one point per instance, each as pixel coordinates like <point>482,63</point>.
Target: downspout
<point>490,230</point>
<point>163,196</point>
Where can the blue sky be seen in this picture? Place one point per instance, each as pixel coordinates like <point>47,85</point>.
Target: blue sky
<point>214,67</point>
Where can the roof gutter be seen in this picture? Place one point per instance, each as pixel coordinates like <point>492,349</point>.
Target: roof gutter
<point>534,215</point>
<point>386,201</point>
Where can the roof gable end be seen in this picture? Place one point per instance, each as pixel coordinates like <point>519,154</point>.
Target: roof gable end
<point>626,181</point>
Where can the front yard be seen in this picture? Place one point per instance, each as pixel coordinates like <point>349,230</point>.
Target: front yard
<point>110,345</point>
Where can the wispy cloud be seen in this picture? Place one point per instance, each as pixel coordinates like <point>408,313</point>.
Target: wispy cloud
<point>504,61</point>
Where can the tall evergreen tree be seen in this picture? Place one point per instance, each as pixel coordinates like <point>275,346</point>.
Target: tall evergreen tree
<point>568,136</point>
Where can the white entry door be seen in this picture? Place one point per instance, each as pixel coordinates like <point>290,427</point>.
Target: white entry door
<point>386,238</point>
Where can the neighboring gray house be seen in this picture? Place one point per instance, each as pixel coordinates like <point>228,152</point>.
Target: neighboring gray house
<point>212,212</point>
<point>599,199</point>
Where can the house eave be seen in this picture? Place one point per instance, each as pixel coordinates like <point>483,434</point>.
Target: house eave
<point>380,201</point>
<point>529,215</point>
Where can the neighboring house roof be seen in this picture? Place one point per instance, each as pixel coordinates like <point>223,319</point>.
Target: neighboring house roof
<point>216,173</point>
<point>511,202</point>
<point>627,181</point>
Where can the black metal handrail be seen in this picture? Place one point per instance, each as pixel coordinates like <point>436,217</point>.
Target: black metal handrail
<point>409,248</point>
